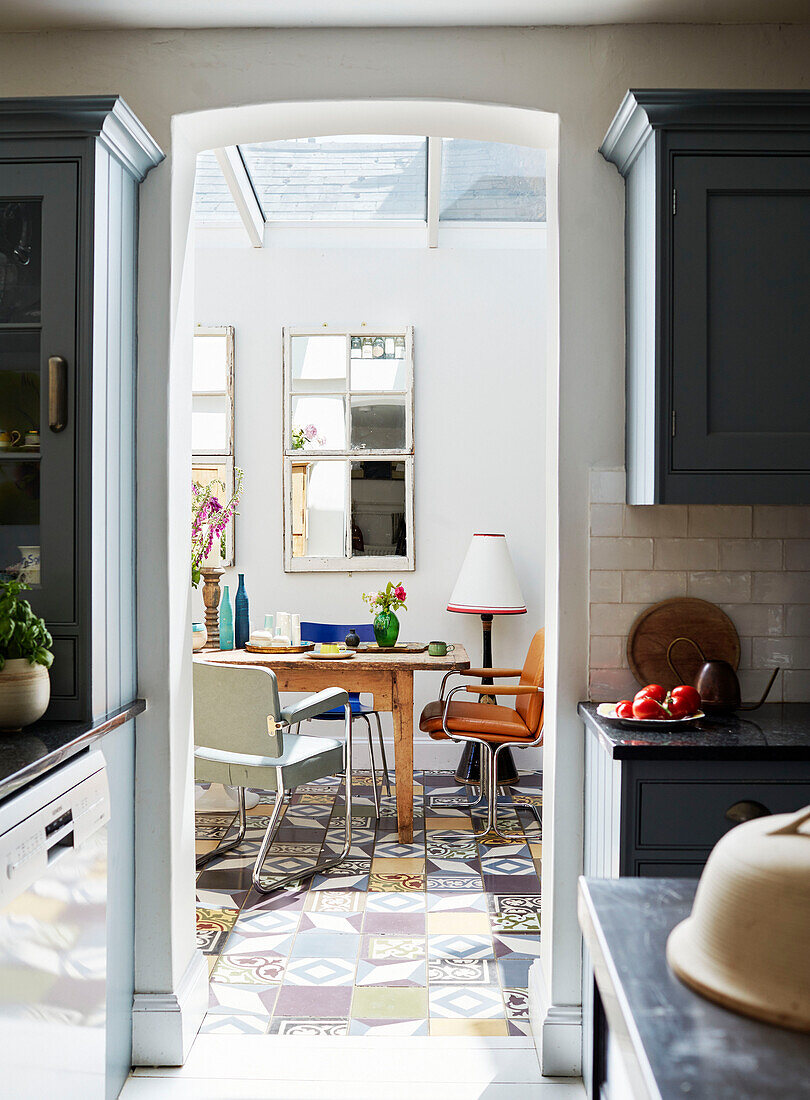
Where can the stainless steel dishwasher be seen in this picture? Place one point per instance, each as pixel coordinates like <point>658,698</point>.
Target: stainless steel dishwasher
<point>53,953</point>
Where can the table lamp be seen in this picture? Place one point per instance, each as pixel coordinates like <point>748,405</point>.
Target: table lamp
<point>487,585</point>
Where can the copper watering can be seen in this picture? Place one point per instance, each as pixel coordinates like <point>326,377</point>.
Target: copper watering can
<point>717,683</point>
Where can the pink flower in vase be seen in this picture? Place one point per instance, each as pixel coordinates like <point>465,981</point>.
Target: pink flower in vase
<point>400,592</point>
<point>311,432</point>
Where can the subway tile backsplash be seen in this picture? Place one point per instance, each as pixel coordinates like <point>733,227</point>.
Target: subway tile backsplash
<point>754,561</point>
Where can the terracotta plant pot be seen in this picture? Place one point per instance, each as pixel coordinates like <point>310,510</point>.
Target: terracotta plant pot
<point>25,691</point>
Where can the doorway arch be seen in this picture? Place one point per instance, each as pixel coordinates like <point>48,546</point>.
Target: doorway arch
<point>171,978</point>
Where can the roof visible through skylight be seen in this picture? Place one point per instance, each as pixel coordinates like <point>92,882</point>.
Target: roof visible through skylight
<point>340,179</point>
<point>367,179</point>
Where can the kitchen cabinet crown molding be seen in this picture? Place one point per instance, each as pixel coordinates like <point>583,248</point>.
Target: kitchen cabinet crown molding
<point>646,109</point>
<point>106,117</point>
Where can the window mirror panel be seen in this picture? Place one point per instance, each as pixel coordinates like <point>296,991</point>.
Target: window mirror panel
<point>379,511</point>
<point>378,423</point>
<point>387,371</point>
<point>318,363</point>
<point>210,364</point>
<point>318,423</point>
<point>210,424</point>
<point>318,501</point>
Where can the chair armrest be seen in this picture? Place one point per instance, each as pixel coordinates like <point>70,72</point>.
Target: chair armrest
<point>478,673</point>
<point>491,689</point>
<point>492,673</point>
<point>314,705</point>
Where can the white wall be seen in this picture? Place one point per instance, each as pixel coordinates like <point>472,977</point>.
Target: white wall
<point>577,73</point>
<point>479,387</point>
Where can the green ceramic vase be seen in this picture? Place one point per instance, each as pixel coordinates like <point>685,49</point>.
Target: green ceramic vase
<point>386,629</point>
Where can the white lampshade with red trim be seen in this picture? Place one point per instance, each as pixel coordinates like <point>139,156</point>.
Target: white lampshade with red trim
<point>487,583</point>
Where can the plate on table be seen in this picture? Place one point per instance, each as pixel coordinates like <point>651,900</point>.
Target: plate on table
<point>608,710</point>
<point>400,647</point>
<point>305,648</point>
<point>344,655</point>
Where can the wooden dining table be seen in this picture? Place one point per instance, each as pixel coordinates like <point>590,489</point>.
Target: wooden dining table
<point>388,677</point>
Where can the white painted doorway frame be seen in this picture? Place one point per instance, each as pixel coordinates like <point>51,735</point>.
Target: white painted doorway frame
<point>171,978</point>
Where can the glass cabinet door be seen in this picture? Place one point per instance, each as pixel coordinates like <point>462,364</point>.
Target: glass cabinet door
<point>38,227</point>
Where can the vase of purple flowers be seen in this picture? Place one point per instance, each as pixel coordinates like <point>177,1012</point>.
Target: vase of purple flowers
<point>211,512</point>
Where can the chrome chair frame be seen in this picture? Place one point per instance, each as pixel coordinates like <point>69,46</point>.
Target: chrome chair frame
<point>273,825</point>
<point>489,777</point>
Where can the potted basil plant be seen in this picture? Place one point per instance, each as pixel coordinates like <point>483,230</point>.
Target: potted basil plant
<point>25,657</point>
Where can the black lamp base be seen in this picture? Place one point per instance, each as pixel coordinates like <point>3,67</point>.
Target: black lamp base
<point>469,767</point>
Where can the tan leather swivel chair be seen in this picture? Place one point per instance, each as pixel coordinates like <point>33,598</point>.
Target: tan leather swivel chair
<point>496,727</point>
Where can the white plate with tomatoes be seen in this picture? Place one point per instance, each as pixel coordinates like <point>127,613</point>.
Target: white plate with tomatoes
<point>653,707</point>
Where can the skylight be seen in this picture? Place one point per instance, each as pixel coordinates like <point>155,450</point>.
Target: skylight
<point>340,179</point>
<point>370,179</point>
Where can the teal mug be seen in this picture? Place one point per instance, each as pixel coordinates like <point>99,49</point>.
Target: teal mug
<point>439,649</point>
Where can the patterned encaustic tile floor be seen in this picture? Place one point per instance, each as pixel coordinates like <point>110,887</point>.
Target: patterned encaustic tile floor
<point>430,938</point>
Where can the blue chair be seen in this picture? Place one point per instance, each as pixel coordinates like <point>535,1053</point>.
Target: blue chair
<point>336,632</point>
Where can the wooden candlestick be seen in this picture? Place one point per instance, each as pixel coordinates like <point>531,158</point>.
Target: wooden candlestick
<point>211,598</point>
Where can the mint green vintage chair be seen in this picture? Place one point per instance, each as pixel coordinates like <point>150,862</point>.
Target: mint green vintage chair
<point>242,738</point>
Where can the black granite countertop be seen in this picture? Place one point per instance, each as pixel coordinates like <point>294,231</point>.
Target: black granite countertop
<point>674,1043</point>
<point>776,731</point>
<point>27,756</point>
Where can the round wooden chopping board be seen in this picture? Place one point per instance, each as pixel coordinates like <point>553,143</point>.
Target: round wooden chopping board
<point>682,617</point>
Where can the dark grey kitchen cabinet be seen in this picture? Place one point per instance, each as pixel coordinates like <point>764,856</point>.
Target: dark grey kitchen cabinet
<point>70,168</point>
<point>717,281</point>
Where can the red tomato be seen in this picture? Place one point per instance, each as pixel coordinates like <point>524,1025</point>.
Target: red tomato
<point>624,709</point>
<point>653,691</point>
<point>647,707</point>
<point>678,708</point>
<point>688,696</point>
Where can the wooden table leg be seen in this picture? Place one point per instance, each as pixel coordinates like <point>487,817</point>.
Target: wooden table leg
<point>403,749</point>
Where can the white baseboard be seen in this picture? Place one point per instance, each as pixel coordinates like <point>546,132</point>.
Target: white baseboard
<point>556,1029</point>
<point>164,1025</point>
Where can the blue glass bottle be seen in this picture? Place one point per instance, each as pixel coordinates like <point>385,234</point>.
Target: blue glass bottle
<point>225,620</point>
<point>241,615</point>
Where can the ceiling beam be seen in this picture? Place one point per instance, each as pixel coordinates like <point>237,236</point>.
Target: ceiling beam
<point>434,182</point>
<point>240,187</point>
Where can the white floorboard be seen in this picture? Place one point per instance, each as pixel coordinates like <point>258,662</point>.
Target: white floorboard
<point>224,1067</point>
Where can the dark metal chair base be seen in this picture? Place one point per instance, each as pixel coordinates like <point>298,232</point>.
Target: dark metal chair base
<point>468,771</point>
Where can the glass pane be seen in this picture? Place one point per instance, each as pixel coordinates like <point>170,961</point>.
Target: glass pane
<point>20,261</point>
<point>378,509</point>
<point>19,390</point>
<point>492,182</point>
<point>318,422</point>
<point>213,202</point>
<point>19,520</point>
<point>318,363</point>
<point>378,423</point>
<point>378,362</point>
<point>210,424</point>
<point>318,521</point>
<point>340,179</point>
<point>210,364</point>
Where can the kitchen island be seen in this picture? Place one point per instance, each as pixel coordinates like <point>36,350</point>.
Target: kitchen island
<point>657,801</point>
<point>663,1040</point>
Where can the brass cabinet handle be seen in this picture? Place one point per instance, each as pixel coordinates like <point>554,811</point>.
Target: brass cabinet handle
<point>746,811</point>
<point>57,393</point>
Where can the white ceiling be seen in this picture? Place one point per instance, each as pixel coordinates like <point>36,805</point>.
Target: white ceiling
<point>31,15</point>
